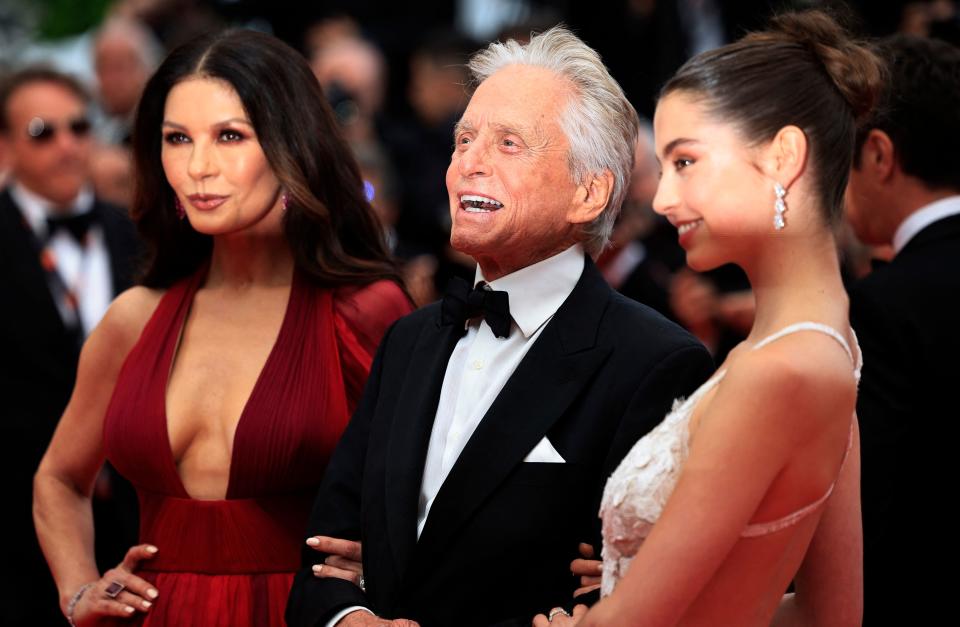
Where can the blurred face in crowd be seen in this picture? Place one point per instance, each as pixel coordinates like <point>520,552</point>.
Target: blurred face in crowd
<point>513,200</point>
<point>48,140</point>
<point>436,93</point>
<point>869,205</point>
<point>121,73</point>
<point>214,162</point>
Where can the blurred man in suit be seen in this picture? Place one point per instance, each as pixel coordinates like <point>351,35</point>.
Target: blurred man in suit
<point>64,255</point>
<point>904,191</point>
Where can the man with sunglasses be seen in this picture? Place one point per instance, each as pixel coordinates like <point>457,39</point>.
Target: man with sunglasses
<point>64,255</point>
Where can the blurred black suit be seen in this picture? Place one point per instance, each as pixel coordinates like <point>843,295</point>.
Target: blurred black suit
<point>38,365</point>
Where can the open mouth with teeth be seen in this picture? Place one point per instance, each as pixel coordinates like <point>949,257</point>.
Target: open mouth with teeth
<point>472,203</point>
<point>688,226</point>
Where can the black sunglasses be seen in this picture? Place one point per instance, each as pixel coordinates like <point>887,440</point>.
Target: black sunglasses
<point>41,131</point>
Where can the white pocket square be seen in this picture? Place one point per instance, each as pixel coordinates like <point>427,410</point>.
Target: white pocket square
<point>544,452</point>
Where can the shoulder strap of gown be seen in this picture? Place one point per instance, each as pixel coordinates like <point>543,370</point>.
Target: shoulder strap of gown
<point>822,328</point>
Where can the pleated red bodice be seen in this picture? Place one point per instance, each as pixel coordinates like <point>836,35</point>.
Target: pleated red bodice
<point>231,561</point>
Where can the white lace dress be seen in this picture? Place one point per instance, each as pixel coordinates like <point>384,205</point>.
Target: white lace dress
<point>639,488</point>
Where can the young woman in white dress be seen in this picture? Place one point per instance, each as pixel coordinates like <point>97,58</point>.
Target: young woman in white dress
<point>753,482</point>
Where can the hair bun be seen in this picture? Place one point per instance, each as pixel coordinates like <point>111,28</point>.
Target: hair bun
<point>855,70</point>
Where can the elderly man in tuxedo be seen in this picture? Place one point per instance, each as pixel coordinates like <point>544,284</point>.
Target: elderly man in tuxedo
<point>904,191</point>
<point>475,462</point>
<point>64,255</point>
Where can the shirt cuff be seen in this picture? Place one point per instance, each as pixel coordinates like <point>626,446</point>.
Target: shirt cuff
<point>348,610</point>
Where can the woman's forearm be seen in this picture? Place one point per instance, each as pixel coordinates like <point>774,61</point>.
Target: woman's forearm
<point>63,517</point>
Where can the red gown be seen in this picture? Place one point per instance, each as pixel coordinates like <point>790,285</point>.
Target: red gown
<point>230,562</point>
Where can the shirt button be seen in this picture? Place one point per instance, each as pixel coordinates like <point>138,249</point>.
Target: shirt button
<point>477,365</point>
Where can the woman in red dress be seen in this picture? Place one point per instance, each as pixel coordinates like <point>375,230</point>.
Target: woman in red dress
<point>220,386</point>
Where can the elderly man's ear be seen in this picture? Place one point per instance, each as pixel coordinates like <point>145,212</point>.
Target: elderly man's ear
<point>591,198</point>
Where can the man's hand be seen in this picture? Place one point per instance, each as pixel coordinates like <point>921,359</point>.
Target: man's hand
<point>588,569</point>
<point>344,559</point>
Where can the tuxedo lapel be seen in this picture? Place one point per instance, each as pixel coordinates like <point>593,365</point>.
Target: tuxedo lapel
<point>551,375</point>
<point>410,433</point>
<point>119,258</point>
<point>20,252</point>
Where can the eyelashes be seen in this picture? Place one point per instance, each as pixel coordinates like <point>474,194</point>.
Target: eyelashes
<point>226,135</point>
<point>175,138</point>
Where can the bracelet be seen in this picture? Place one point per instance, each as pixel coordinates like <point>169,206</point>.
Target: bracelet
<point>72,604</point>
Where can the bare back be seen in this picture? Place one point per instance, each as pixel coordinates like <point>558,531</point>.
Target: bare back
<point>724,476</point>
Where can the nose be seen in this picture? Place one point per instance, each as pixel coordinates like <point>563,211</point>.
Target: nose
<point>473,160</point>
<point>666,197</point>
<point>202,163</point>
<point>67,141</point>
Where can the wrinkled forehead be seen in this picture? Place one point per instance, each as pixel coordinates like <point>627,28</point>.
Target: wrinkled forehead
<point>519,97</point>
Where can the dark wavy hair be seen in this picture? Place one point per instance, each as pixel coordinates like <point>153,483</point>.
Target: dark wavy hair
<point>918,108</point>
<point>333,233</point>
<point>804,70</point>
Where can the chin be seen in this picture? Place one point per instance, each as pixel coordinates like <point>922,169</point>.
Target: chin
<point>703,263</point>
<point>469,241</point>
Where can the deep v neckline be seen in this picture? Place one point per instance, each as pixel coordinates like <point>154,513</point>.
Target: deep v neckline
<point>180,324</point>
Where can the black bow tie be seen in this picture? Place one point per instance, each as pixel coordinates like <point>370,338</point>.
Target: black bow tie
<point>77,225</point>
<point>462,303</point>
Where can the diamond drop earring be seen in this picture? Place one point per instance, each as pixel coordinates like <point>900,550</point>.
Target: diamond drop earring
<point>779,207</point>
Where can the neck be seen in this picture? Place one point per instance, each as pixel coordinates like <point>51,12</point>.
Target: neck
<point>496,267</point>
<point>244,261</point>
<point>795,278</point>
<point>58,206</point>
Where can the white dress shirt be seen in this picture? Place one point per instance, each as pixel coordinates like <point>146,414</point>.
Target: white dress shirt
<point>481,364</point>
<point>922,218</point>
<point>84,269</point>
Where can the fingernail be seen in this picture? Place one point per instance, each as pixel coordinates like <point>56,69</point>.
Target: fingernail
<point>152,549</point>
<point>146,604</point>
<point>128,609</point>
<point>153,594</point>
<point>313,542</point>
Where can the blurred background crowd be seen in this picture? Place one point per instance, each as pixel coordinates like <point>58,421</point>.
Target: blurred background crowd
<point>394,73</point>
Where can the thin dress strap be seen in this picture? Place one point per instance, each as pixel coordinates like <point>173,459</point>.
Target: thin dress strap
<point>762,529</point>
<point>822,328</point>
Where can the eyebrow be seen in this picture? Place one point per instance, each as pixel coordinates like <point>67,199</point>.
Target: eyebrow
<point>676,143</point>
<point>223,123</point>
<point>464,125</point>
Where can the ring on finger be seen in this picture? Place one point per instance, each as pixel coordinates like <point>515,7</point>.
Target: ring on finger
<point>114,589</point>
<point>555,611</point>
<point>362,583</point>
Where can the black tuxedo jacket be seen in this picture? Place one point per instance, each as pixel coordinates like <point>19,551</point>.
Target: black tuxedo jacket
<point>906,316</point>
<point>38,365</point>
<point>501,533</point>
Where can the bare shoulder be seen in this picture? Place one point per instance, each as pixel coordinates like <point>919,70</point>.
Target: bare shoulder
<point>123,322</point>
<point>801,380</point>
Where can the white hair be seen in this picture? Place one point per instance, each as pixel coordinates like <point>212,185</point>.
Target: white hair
<point>599,122</point>
<point>148,48</point>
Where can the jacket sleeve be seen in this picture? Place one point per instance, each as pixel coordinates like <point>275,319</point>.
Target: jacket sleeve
<point>336,513</point>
